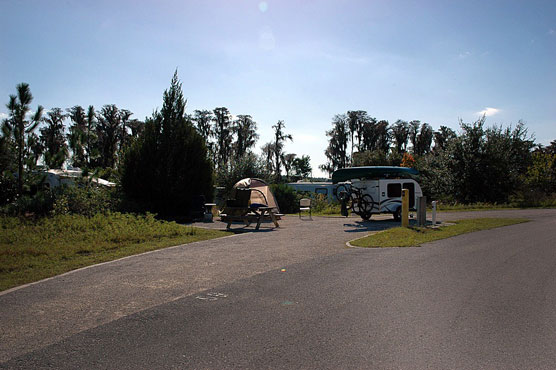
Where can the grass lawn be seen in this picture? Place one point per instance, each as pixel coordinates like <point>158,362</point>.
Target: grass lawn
<point>415,236</point>
<point>34,250</point>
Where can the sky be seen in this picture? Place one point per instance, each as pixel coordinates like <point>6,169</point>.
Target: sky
<point>300,61</point>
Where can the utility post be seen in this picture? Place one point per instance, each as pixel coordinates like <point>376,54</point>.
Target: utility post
<point>422,211</point>
<point>405,208</point>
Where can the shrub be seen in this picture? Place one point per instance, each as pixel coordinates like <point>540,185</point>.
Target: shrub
<point>322,204</point>
<point>286,197</point>
<point>64,200</point>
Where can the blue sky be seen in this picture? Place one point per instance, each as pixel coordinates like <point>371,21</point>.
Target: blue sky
<point>297,61</point>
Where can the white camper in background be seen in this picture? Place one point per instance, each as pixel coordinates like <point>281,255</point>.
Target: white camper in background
<point>57,177</point>
<point>324,188</point>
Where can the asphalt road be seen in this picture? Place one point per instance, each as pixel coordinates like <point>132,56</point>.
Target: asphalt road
<point>481,300</point>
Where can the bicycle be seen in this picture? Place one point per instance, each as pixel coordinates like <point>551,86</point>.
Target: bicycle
<point>353,197</point>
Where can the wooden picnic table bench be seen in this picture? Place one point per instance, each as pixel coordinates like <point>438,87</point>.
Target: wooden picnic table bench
<point>249,215</point>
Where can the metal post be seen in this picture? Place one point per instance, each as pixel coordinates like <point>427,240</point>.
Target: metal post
<point>405,208</point>
<point>433,212</point>
<point>421,211</point>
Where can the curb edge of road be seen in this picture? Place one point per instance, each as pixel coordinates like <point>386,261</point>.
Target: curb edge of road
<point>349,245</point>
<point>106,263</point>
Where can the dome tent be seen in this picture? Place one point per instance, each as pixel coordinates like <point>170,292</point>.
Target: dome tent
<point>260,192</point>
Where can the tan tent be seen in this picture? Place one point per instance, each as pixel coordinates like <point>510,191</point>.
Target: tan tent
<point>260,192</point>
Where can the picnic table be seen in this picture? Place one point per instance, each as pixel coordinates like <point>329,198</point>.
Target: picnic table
<point>249,215</point>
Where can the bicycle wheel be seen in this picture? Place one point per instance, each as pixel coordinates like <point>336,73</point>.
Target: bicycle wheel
<point>342,192</point>
<point>353,203</point>
<point>366,205</point>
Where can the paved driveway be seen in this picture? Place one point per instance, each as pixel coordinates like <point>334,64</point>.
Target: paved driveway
<point>49,311</point>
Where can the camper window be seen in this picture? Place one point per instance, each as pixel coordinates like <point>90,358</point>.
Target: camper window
<point>394,190</point>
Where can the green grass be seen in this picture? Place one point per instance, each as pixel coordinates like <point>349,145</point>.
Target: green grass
<point>414,236</point>
<point>549,202</point>
<point>34,250</point>
<point>472,207</point>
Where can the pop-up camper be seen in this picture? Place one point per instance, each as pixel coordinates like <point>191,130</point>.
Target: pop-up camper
<point>376,189</point>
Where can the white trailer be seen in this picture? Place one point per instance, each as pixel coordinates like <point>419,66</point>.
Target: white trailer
<point>374,190</point>
<point>325,188</point>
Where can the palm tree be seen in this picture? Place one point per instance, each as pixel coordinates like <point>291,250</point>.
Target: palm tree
<point>53,139</point>
<point>92,150</point>
<point>77,136</point>
<point>108,131</point>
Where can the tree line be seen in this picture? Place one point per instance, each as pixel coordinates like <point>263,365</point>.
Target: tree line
<point>94,139</point>
<point>230,143</point>
<point>477,164</point>
<point>106,140</point>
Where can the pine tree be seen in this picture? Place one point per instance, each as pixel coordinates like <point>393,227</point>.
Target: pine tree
<point>168,165</point>
<point>19,126</point>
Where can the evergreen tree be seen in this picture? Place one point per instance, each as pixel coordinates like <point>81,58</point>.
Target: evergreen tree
<point>168,165</point>
<point>424,140</point>
<point>268,154</point>
<point>203,122</point>
<point>19,127</point>
<point>288,160</point>
<point>246,134</point>
<point>414,132</point>
<point>442,137</point>
<point>336,152</point>
<point>302,167</point>
<point>223,134</point>
<point>279,139</point>
<point>400,134</point>
<point>382,136</point>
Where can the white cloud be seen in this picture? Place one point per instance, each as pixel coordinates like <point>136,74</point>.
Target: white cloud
<point>489,111</point>
<point>464,55</point>
<point>551,31</point>
<point>3,115</point>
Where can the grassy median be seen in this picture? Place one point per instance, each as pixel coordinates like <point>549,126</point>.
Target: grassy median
<point>34,250</point>
<point>415,236</point>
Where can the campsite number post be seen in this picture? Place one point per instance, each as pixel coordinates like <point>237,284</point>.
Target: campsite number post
<point>405,208</point>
